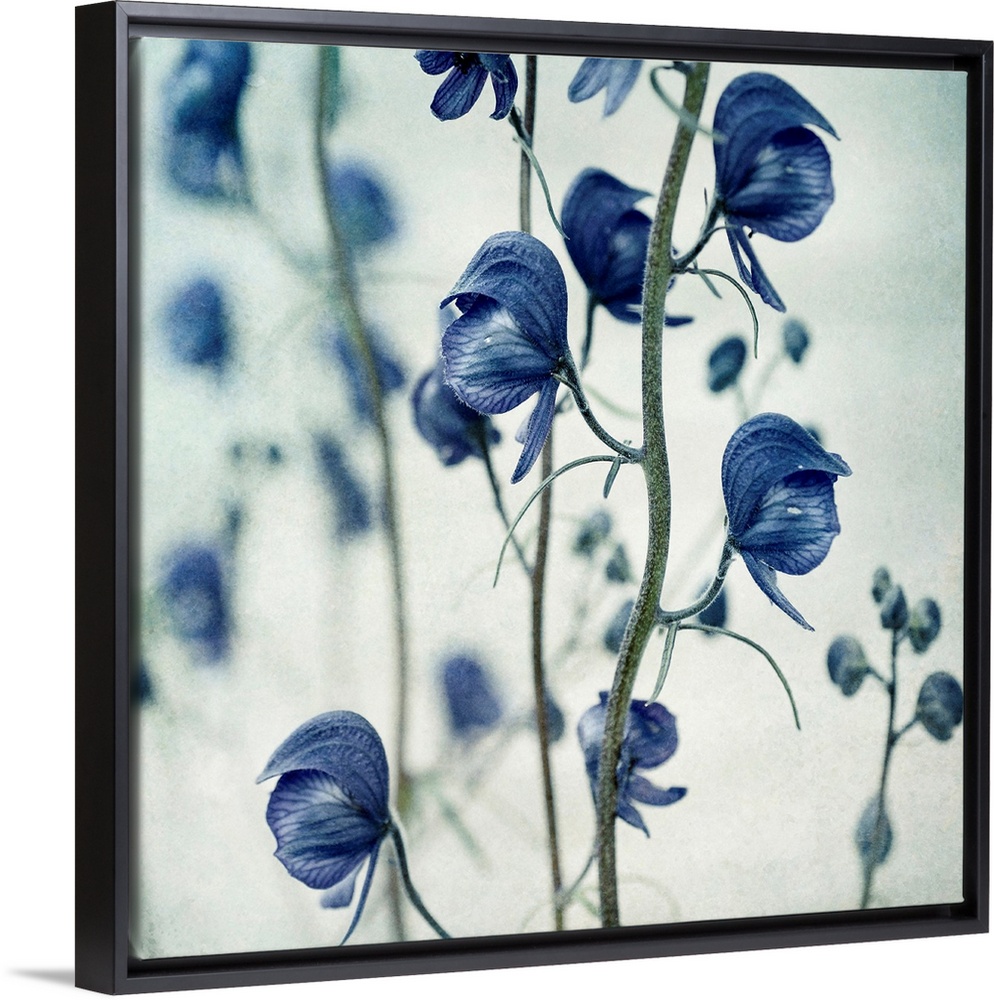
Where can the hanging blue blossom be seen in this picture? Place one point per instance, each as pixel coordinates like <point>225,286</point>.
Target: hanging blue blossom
<point>881,583</point>
<point>353,508</point>
<point>341,348</point>
<point>874,835</point>
<point>197,325</point>
<point>615,77</point>
<point>510,341</point>
<point>452,428</point>
<point>202,145</point>
<point>471,699</point>
<point>329,810</point>
<point>940,705</point>
<point>847,664</point>
<point>467,73</point>
<point>894,609</point>
<point>362,203</point>
<point>924,624</point>
<point>779,489</point>
<point>725,363</point>
<point>795,340</point>
<point>594,530</point>
<point>650,740</point>
<point>195,596</point>
<point>618,569</point>
<point>772,175</point>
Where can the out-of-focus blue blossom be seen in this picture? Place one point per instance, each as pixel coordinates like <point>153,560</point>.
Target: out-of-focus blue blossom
<point>873,835</point>
<point>594,530</point>
<point>881,584</point>
<point>329,810</point>
<point>779,489</point>
<point>725,363</point>
<point>894,609</point>
<point>467,73</point>
<point>452,428</point>
<point>615,631</point>
<point>195,596</point>
<point>795,340</point>
<point>615,77</point>
<point>142,688</point>
<point>202,145</point>
<point>772,175</point>
<point>650,740</point>
<point>362,203</point>
<point>197,326</point>
<point>716,613</point>
<point>847,664</point>
<point>555,721</point>
<point>471,698</point>
<point>924,623</point>
<point>390,374</point>
<point>353,509</point>
<point>940,705</point>
<point>511,337</point>
<point>618,569</point>
<point>607,239</point>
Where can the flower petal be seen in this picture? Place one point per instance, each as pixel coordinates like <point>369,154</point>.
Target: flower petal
<point>617,76</point>
<point>651,737</point>
<point>365,891</point>
<point>458,92</point>
<point>536,430</point>
<point>766,580</point>
<point>641,789</point>
<point>754,276</point>
<point>504,79</point>
<point>433,62</point>
<point>451,427</point>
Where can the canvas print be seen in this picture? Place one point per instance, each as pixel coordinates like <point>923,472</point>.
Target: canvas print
<point>549,492</point>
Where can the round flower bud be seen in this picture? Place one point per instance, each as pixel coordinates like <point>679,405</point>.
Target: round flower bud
<point>795,340</point>
<point>894,609</point>
<point>592,532</point>
<point>847,664</point>
<point>618,569</point>
<point>725,363</point>
<point>940,705</point>
<point>881,584</point>
<point>873,834</point>
<point>924,624</point>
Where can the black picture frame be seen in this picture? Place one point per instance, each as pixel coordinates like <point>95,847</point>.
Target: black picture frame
<point>105,529</point>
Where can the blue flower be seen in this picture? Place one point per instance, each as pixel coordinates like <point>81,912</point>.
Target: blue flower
<point>924,624</point>
<point>197,325</point>
<point>329,810</point>
<point>614,76</point>
<point>874,836</point>
<point>452,428</point>
<point>618,569</point>
<point>725,363</point>
<point>353,509</point>
<point>795,340</point>
<point>940,705</point>
<point>362,203</point>
<point>510,341</point>
<point>196,599</point>
<point>847,664</point>
<point>203,148</point>
<point>340,346</point>
<point>468,72</point>
<point>779,488</point>
<point>594,530</point>
<point>894,609</point>
<point>650,740</point>
<point>772,175</point>
<point>474,706</point>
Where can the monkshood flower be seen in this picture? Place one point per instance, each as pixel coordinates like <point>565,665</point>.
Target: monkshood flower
<point>847,664</point>
<point>650,740</point>
<point>594,530</point>
<point>362,203</point>
<point>467,73</point>
<point>341,348</point>
<point>924,624</point>
<point>795,340</point>
<point>452,428</point>
<point>471,699</point>
<point>873,835</point>
<point>615,77</point>
<point>195,595</point>
<point>779,489</point>
<point>725,363</point>
<point>510,341</point>
<point>203,148</point>
<point>353,508</point>
<point>197,326</point>
<point>329,810</point>
<point>772,175</point>
<point>940,705</point>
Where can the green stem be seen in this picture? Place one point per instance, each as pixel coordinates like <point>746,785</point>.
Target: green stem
<point>499,500</point>
<point>347,299</point>
<point>655,468</point>
<point>412,894</point>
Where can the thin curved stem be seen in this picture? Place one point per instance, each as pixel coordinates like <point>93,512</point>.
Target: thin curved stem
<point>655,468</point>
<point>701,604</point>
<point>499,500</point>
<point>570,377</point>
<point>412,894</point>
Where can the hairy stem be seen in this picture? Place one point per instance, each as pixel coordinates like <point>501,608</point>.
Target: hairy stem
<point>655,468</point>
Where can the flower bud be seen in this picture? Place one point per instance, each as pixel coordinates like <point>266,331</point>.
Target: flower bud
<point>592,532</point>
<point>847,664</point>
<point>881,584</point>
<point>618,569</point>
<point>873,834</point>
<point>924,624</point>
<point>894,609</point>
<point>940,705</point>
<point>725,363</point>
<point>795,340</point>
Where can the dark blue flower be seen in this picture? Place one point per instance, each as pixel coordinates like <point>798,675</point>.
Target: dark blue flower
<point>650,740</point>
<point>779,488</point>
<point>452,428</point>
<point>614,76</point>
<point>389,372</point>
<point>894,609</point>
<point>353,509</point>
<point>203,148</point>
<point>195,595</point>
<point>197,325</point>
<point>362,203</point>
<point>510,341</point>
<point>847,664</point>
<point>468,72</point>
<point>795,340</point>
<point>924,624</point>
<point>772,175</point>
<point>594,530</point>
<point>329,809</point>
<point>618,569</point>
<point>615,631</point>
<point>940,705</point>
<point>471,697</point>
<point>725,363</point>
<point>873,834</point>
